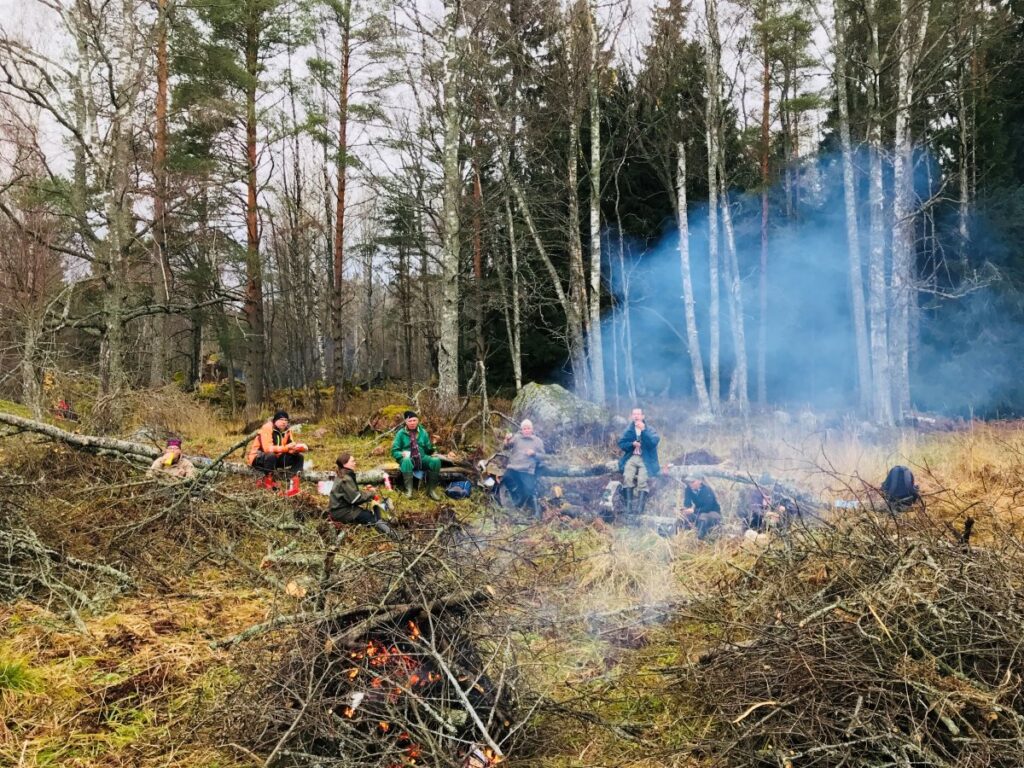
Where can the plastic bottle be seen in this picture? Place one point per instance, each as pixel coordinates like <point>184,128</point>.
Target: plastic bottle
<point>387,482</point>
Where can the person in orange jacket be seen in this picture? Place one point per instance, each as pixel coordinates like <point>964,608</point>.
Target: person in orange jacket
<point>275,449</point>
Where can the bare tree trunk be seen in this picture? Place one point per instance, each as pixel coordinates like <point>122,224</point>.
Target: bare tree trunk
<point>577,279</point>
<point>881,385</point>
<point>627,323</point>
<point>762,315</point>
<point>738,384</point>
<point>689,306</point>
<point>162,268</point>
<point>478,270</point>
<point>344,21</point>
<point>595,346</point>
<point>253,307</point>
<point>713,69</point>
<point>913,28</point>
<point>852,230</point>
<point>512,322</point>
<point>448,350</point>
<point>31,385</point>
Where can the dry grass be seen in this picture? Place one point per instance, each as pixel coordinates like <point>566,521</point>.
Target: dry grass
<point>136,690</point>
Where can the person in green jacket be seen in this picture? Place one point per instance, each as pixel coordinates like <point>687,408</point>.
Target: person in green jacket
<point>414,451</point>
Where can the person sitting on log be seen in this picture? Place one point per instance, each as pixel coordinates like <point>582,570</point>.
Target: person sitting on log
<point>525,451</point>
<point>350,505</point>
<point>172,464</point>
<point>755,508</point>
<point>700,506</point>
<point>414,452</point>
<point>639,461</point>
<point>274,450</point>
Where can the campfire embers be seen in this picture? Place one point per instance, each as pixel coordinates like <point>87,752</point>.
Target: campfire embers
<point>398,679</point>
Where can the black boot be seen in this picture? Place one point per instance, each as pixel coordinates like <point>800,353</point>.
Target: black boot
<point>641,502</point>
<point>628,493</point>
<point>407,480</point>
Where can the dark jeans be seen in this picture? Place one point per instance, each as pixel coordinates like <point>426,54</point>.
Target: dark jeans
<point>291,463</point>
<point>521,485</point>
<point>362,516</point>
<point>703,522</point>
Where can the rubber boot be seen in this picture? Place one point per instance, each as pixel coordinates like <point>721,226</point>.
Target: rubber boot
<point>293,487</point>
<point>266,482</point>
<point>432,491</point>
<point>407,482</point>
<point>628,493</point>
<point>641,502</point>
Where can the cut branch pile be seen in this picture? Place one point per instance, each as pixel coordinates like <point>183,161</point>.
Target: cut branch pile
<point>410,672</point>
<point>886,642</point>
<point>30,569</point>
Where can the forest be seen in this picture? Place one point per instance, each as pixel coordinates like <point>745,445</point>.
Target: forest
<point>340,342</point>
<point>754,204</point>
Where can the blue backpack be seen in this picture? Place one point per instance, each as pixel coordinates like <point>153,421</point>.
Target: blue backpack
<point>460,489</point>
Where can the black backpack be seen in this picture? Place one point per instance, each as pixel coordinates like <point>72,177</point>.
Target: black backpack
<point>898,486</point>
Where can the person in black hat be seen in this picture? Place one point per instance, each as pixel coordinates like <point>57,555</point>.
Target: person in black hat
<point>414,452</point>
<point>274,449</point>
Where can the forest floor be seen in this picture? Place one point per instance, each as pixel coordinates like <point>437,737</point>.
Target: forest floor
<point>133,679</point>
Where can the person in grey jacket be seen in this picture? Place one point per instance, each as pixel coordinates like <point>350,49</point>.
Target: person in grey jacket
<point>525,452</point>
<point>349,504</point>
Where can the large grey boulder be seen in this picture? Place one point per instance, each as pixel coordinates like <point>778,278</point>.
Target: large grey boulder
<point>558,415</point>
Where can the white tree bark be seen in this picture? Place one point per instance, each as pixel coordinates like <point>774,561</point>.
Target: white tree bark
<point>448,349</point>
<point>595,346</point>
<point>857,306</point>
<point>738,385</point>
<point>512,323</point>
<point>913,25</point>
<point>689,309</point>
<point>714,95</point>
<point>877,294</point>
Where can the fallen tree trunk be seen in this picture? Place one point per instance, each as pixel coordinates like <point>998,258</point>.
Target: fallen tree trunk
<point>97,444</point>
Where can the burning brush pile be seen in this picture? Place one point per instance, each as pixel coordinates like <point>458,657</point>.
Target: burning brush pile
<point>420,678</point>
<point>885,641</point>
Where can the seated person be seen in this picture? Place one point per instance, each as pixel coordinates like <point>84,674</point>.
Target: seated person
<point>899,490</point>
<point>172,464</point>
<point>525,451</point>
<point>350,505</point>
<point>274,449</point>
<point>414,452</point>
<point>700,506</point>
<point>755,508</point>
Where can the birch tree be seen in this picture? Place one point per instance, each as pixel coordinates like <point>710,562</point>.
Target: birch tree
<point>595,348</point>
<point>913,26</point>
<point>448,352</point>
<point>855,266</point>
<point>712,129</point>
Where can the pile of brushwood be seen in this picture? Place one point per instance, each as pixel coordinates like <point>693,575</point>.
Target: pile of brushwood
<point>398,657</point>
<point>886,640</point>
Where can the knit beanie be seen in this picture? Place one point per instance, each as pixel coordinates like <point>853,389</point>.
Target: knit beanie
<point>280,415</point>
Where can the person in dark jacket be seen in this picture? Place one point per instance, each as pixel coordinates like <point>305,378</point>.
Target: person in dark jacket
<point>639,461</point>
<point>414,451</point>
<point>349,504</point>
<point>700,506</point>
